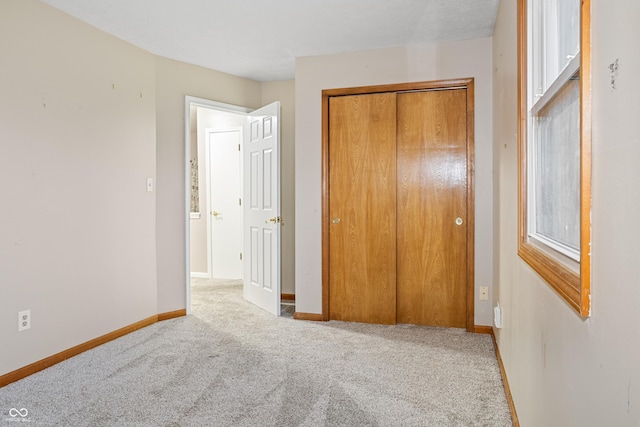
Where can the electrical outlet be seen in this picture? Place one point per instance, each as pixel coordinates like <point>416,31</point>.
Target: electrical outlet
<point>24,320</point>
<point>484,293</point>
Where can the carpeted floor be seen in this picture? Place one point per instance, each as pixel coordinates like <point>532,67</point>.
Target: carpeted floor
<point>232,364</point>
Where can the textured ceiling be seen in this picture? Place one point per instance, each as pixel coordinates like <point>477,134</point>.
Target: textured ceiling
<point>260,39</point>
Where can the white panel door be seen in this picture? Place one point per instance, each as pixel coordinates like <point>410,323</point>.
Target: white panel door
<point>225,212</point>
<point>261,201</point>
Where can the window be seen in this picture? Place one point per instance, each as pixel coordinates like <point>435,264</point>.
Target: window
<point>555,144</point>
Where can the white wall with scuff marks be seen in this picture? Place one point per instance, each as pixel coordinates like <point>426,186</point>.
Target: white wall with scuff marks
<point>77,224</point>
<point>565,370</point>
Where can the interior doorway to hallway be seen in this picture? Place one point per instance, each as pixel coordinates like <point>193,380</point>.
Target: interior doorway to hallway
<point>215,217</point>
<point>232,154</point>
<point>213,139</point>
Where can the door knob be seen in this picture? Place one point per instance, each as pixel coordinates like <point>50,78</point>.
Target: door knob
<point>336,220</point>
<point>215,213</point>
<point>459,221</point>
<point>275,220</point>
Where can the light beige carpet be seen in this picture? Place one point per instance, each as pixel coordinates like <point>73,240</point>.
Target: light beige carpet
<point>232,364</point>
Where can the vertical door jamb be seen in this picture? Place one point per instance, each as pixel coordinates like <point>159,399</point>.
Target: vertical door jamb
<point>325,206</point>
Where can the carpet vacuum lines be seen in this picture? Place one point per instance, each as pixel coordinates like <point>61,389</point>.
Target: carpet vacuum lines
<point>233,364</point>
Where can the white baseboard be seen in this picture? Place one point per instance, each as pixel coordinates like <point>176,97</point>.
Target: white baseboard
<point>200,275</point>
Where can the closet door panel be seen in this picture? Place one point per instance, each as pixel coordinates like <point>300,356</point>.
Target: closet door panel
<point>432,208</point>
<point>362,208</point>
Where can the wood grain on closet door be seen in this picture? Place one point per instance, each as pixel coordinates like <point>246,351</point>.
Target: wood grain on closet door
<point>432,208</point>
<point>362,208</point>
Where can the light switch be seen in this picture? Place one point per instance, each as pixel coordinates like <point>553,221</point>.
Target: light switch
<point>149,184</point>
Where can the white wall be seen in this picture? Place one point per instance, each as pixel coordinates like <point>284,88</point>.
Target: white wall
<point>77,142</point>
<point>85,118</point>
<point>175,80</point>
<point>395,65</point>
<point>565,370</point>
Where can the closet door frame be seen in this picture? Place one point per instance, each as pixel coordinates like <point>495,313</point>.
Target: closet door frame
<point>465,83</point>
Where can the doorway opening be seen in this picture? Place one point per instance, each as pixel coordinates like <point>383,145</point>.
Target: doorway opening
<point>232,153</point>
<point>213,132</point>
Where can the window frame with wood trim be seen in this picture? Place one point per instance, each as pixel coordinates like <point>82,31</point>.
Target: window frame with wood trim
<point>566,267</point>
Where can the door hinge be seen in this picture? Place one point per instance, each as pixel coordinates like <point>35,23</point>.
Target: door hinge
<point>240,256</point>
<point>238,147</point>
<point>240,202</point>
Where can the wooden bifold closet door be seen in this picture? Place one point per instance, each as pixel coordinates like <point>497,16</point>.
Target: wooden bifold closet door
<point>398,207</point>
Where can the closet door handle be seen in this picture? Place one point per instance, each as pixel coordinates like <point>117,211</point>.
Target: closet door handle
<point>335,220</point>
<point>459,221</point>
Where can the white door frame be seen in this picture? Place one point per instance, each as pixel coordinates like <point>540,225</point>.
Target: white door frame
<point>214,105</point>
